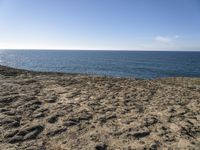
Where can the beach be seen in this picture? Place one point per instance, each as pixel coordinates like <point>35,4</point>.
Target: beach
<point>48,110</point>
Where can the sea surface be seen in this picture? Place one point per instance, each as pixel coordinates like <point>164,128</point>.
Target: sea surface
<point>138,64</point>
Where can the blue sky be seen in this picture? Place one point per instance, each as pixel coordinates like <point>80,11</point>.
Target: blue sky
<point>100,24</point>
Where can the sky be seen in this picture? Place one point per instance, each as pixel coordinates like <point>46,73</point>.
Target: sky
<point>100,24</point>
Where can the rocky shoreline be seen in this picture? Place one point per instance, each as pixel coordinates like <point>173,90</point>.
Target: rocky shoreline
<point>72,111</point>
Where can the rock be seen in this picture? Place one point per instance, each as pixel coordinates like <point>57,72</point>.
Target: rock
<point>3,110</point>
<point>183,144</point>
<point>9,113</point>
<point>171,109</point>
<point>33,134</point>
<point>56,131</point>
<point>31,128</point>
<point>6,120</point>
<point>150,121</point>
<point>154,146</point>
<point>100,146</point>
<point>27,133</point>
<point>51,98</point>
<point>39,115</point>
<point>13,124</point>
<point>16,139</point>
<point>193,121</point>
<point>174,127</point>
<point>139,134</point>
<point>29,98</point>
<point>8,99</point>
<point>33,102</point>
<point>105,117</point>
<point>72,94</point>
<point>70,123</point>
<point>10,134</point>
<point>33,105</point>
<point>10,123</point>
<point>85,116</point>
<point>53,118</point>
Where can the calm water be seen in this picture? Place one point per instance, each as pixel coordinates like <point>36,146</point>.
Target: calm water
<point>110,63</point>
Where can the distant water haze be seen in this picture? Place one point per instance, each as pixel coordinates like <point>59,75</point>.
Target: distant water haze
<point>139,64</point>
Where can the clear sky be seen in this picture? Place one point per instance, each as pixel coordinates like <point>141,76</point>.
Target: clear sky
<point>100,24</point>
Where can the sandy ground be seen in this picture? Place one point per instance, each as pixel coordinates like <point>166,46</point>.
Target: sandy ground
<point>57,111</point>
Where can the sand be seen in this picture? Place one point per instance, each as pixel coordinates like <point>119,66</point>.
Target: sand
<point>56,111</point>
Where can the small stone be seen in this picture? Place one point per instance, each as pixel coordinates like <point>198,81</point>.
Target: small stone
<point>70,123</point>
<point>39,115</point>
<point>154,146</point>
<point>101,146</point>
<point>170,109</point>
<point>139,134</point>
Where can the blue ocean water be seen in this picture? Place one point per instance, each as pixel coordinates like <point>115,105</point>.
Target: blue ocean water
<point>139,64</point>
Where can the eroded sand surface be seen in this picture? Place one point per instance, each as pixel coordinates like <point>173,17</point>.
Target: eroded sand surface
<point>68,111</point>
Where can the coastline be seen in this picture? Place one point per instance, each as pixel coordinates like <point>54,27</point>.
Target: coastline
<point>43,110</point>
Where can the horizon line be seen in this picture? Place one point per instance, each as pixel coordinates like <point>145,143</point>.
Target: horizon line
<point>160,50</point>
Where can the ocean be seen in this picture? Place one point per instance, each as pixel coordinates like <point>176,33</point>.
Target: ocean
<point>138,64</point>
